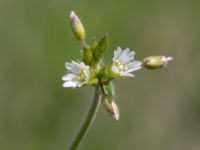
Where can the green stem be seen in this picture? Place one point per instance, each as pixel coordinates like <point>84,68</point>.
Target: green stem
<point>88,119</point>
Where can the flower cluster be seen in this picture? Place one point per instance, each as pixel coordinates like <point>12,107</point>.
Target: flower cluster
<point>123,64</point>
<point>92,71</point>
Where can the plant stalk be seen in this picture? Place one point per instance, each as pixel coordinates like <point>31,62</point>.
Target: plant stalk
<point>87,120</point>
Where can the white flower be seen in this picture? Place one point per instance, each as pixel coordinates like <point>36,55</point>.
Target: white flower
<point>79,75</point>
<point>123,63</point>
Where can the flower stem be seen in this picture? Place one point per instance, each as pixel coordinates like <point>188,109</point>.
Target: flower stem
<point>87,120</point>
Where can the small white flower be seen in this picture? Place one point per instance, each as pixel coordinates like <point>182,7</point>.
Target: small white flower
<point>123,63</point>
<point>79,75</point>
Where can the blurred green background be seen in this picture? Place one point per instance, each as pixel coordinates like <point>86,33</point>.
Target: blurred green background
<point>160,110</point>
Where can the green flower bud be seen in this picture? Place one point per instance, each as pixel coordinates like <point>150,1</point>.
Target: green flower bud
<point>87,55</point>
<point>94,44</point>
<point>111,107</point>
<point>155,62</point>
<point>109,102</point>
<point>102,45</point>
<point>77,26</point>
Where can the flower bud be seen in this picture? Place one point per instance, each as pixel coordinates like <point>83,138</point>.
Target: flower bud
<point>94,44</point>
<point>77,26</point>
<point>111,107</point>
<point>87,55</point>
<point>103,43</point>
<point>101,47</point>
<point>155,62</point>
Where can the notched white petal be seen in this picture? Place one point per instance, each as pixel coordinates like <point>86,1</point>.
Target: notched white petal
<point>72,67</point>
<point>69,84</point>
<point>68,77</point>
<point>117,53</point>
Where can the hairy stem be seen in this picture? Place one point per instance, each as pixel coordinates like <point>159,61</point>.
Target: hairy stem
<point>87,120</point>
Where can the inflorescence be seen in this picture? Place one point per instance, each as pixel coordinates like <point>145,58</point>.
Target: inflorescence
<point>91,70</point>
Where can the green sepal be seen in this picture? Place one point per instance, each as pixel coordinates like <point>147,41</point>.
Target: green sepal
<point>93,78</point>
<point>108,100</point>
<point>87,55</point>
<point>109,89</point>
<point>106,74</point>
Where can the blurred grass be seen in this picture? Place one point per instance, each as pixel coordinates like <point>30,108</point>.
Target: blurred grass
<point>159,109</point>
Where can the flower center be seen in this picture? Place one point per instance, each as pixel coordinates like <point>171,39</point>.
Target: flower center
<point>120,66</point>
<point>81,76</point>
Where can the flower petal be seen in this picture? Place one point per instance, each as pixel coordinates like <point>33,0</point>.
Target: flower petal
<point>69,84</point>
<point>117,53</point>
<point>133,66</point>
<point>72,67</point>
<point>69,76</point>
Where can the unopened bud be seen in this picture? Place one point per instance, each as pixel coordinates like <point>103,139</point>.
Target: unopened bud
<point>111,107</point>
<point>87,55</point>
<point>94,44</point>
<point>77,26</point>
<point>101,47</point>
<point>155,62</point>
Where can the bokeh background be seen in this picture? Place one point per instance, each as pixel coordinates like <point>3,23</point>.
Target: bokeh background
<point>160,110</point>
